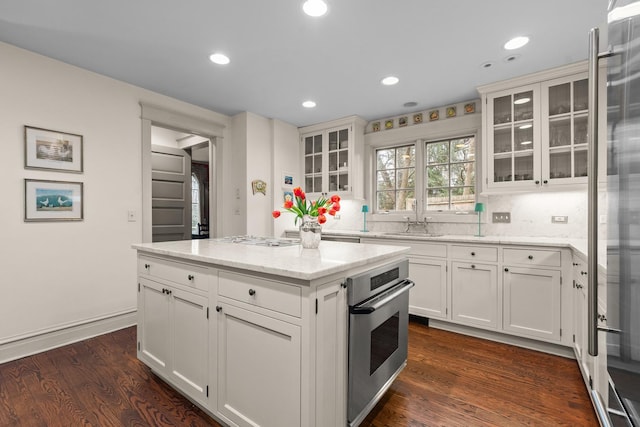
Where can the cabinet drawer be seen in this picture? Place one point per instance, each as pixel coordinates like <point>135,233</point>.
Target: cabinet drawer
<point>473,253</point>
<point>189,275</point>
<point>268,294</point>
<point>435,250</point>
<point>538,257</point>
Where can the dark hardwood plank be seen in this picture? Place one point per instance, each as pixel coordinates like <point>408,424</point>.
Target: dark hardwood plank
<point>450,380</point>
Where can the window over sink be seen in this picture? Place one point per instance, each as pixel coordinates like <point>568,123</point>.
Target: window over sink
<point>426,176</point>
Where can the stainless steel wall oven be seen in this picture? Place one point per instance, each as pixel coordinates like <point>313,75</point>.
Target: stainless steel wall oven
<point>378,328</point>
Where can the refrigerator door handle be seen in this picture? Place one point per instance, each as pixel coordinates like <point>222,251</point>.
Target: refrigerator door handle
<point>592,209</point>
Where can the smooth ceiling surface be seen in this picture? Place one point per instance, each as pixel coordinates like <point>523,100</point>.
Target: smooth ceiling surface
<point>281,57</point>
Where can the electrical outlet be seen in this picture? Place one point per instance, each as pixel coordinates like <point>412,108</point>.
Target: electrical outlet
<point>132,216</point>
<point>501,217</point>
<point>559,219</point>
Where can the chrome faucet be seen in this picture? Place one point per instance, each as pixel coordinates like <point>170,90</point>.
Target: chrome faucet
<point>424,223</point>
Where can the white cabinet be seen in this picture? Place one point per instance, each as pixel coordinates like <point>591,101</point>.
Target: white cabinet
<point>173,328</point>
<point>259,352</point>
<point>474,299</point>
<point>535,128</point>
<point>258,368</point>
<point>580,345</point>
<point>532,293</point>
<point>333,157</point>
<point>428,270</point>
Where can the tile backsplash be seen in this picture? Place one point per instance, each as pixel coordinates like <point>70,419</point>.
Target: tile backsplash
<point>531,215</point>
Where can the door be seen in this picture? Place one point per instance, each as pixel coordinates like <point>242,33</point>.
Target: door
<point>170,194</point>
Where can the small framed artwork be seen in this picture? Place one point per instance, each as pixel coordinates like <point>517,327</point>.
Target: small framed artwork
<point>388,124</point>
<point>417,118</point>
<point>287,196</point>
<point>434,115</point>
<point>375,126</point>
<point>53,150</point>
<point>402,121</point>
<point>287,180</point>
<point>451,112</point>
<point>53,200</point>
<point>470,108</point>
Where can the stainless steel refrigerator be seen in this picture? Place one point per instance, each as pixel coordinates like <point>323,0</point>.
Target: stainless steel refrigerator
<point>620,326</point>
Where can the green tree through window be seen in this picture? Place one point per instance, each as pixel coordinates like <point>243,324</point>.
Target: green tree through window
<point>450,178</point>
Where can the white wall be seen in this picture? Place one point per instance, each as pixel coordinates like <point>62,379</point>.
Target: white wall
<point>57,275</point>
<point>286,158</point>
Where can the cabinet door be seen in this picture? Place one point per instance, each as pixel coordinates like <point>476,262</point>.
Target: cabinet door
<point>189,343</point>
<point>513,134</point>
<point>428,297</point>
<point>153,325</point>
<point>532,302</point>
<point>327,161</point>
<point>580,325</point>
<point>258,369</point>
<point>564,131</point>
<point>474,299</point>
<point>313,148</point>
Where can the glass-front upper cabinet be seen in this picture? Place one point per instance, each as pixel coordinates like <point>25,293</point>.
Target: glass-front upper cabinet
<point>564,135</point>
<point>513,136</point>
<point>329,151</point>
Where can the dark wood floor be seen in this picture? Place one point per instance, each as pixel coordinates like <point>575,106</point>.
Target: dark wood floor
<point>450,380</point>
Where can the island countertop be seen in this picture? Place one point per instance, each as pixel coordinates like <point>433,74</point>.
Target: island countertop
<point>290,261</point>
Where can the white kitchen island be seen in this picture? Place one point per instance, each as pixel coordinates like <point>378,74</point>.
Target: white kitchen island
<point>255,335</point>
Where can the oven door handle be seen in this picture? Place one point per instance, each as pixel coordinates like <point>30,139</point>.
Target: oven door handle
<point>384,298</point>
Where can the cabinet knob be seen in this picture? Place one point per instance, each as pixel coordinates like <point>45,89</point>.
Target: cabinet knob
<point>506,269</point>
<point>530,257</point>
<point>191,277</point>
<point>146,266</point>
<point>473,254</point>
<point>218,308</point>
<point>545,181</point>
<point>537,182</point>
<point>164,291</point>
<point>583,273</point>
<point>602,317</point>
<point>579,286</point>
<point>473,266</point>
<point>252,292</point>
<point>575,264</point>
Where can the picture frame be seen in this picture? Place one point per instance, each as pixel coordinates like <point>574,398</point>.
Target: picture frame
<point>46,200</point>
<point>403,121</point>
<point>287,180</point>
<point>470,108</point>
<point>434,115</point>
<point>451,112</point>
<point>388,124</point>
<point>52,150</point>
<point>376,126</point>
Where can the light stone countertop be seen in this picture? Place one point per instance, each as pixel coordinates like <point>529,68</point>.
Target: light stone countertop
<point>577,245</point>
<point>289,261</point>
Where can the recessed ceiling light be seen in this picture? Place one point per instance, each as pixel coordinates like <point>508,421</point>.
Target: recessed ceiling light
<point>488,64</point>
<point>219,58</point>
<point>314,8</point>
<point>308,104</point>
<point>520,101</point>
<point>516,42</point>
<point>511,58</point>
<point>391,80</point>
<point>410,104</point>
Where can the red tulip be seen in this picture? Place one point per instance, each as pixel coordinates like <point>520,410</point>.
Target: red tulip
<point>335,198</point>
<point>322,210</point>
<point>298,192</point>
<point>275,214</point>
<point>322,219</point>
<point>288,204</point>
<point>332,212</point>
<point>336,206</point>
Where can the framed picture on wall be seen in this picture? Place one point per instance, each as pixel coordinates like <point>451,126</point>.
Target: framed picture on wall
<point>53,200</point>
<point>287,180</point>
<point>52,150</point>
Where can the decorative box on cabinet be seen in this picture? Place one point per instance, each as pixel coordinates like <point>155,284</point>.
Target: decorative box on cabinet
<point>535,130</point>
<point>173,324</point>
<point>332,157</point>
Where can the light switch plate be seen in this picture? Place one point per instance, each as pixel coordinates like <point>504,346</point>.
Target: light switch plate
<point>501,217</point>
<point>559,219</point>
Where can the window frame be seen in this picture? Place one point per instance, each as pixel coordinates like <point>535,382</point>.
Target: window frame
<point>419,139</point>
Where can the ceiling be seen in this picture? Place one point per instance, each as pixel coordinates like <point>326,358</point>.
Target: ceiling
<point>281,57</point>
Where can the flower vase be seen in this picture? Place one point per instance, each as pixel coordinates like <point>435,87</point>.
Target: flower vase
<point>310,232</point>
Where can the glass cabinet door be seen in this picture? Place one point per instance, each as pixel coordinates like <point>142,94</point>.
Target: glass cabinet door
<point>513,139</point>
<point>313,163</point>
<point>566,131</point>
<point>339,160</point>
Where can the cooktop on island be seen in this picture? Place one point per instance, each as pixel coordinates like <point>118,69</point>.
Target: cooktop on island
<point>259,240</point>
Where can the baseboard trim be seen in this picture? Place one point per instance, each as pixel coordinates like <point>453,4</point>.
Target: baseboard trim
<point>545,347</point>
<point>27,346</point>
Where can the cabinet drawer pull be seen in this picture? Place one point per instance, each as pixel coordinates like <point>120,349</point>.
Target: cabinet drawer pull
<point>575,264</point>
<point>473,266</point>
<point>545,182</point>
<point>530,257</point>
<point>473,254</point>
<point>191,277</point>
<point>252,292</point>
<point>147,266</point>
<point>537,182</point>
<point>583,273</point>
<point>218,308</point>
<point>506,269</point>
